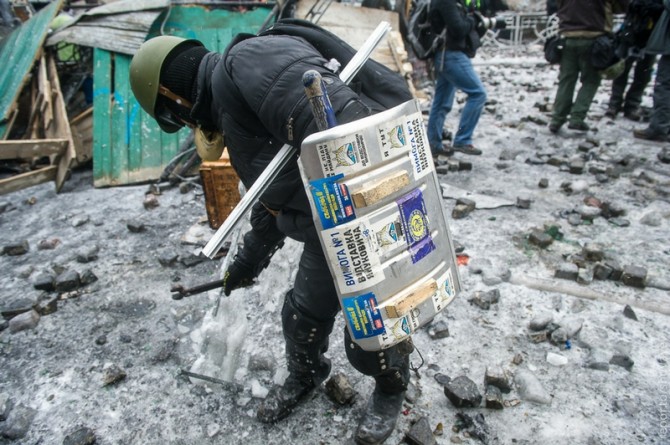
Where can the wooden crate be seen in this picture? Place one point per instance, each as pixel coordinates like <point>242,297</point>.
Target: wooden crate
<point>220,183</point>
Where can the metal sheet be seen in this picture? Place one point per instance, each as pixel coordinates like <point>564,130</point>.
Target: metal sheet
<point>19,50</point>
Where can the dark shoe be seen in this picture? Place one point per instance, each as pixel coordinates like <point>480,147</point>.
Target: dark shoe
<point>650,135</point>
<point>554,128</point>
<point>444,150</point>
<point>281,400</point>
<point>579,126</point>
<point>379,418</point>
<point>633,115</point>
<point>468,149</point>
<point>611,113</point>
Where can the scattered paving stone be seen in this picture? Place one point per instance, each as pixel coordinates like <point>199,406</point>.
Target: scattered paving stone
<point>493,398</point>
<point>112,374</point>
<point>463,392</point>
<point>576,167</point>
<point>634,276</point>
<point>664,156</point>
<point>80,221</point>
<point>622,360</point>
<point>167,259</point>
<point>628,312</point>
<point>48,244</point>
<point>572,326</point>
<point>150,201</point>
<point>18,422</point>
<point>442,379</point>
<point>135,226</point>
<point>101,340</point>
<point>544,183</point>
<point>601,271</point>
<point>82,436</point>
<point>24,321</point>
<point>339,389</point>
<point>619,222</point>
<point>612,210</point>
<point>460,211</point>
<point>593,252</point>
<point>16,249</point>
<point>585,276</point>
<point>589,213</point>
<point>261,361</point>
<point>438,330</point>
<point>44,281</point>
<point>530,388</point>
<point>540,321</point>
<point>498,377</point>
<point>464,166</point>
<point>523,203</point>
<point>67,281</point>
<point>484,300</point>
<point>88,277</point>
<point>539,336</point>
<point>49,307</point>
<point>192,260</point>
<point>598,360</point>
<point>567,271</point>
<point>517,359</point>
<point>164,351</point>
<point>420,433</point>
<point>559,336</point>
<point>87,254</point>
<point>540,239</point>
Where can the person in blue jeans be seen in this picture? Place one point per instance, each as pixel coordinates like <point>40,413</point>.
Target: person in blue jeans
<point>454,71</point>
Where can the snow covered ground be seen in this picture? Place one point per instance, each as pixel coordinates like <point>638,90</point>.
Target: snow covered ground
<point>106,364</point>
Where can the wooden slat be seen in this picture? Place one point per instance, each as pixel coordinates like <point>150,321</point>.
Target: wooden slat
<point>61,124</point>
<point>29,179</point>
<point>31,148</point>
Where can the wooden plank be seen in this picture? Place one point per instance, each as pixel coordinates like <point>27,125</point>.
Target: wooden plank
<point>121,153</point>
<point>31,148</point>
<point>61,124</point>
<point>29,179</point>
<point>402,303</point>
<point>82,135</point>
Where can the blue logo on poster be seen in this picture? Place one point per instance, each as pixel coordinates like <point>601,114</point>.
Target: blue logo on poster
<point>363,316</point>
<point>415,224</point>
<point>332,201</point>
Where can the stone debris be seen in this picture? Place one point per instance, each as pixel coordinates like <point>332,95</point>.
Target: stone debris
<point>462,392</point>
<point>484,299</point>
<point>16,249</point>
<point>421,433</point>
<point>112,374</point>
<point>18,422</point>
<point>24,321</point>
<point>339,389</point>
<point>81,436</point>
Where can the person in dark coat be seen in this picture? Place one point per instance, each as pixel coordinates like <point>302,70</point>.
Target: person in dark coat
<point>659,44</point>
<point>257,108</point>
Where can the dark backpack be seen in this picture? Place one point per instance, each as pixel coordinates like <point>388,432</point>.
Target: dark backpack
<point>421,36</point>
<point>374,81</point>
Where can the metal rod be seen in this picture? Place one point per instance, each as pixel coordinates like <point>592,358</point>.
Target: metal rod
<point>287,152</point>
<point>230,385</point>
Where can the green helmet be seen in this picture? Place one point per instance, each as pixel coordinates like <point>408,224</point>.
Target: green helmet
<point>145,72</point>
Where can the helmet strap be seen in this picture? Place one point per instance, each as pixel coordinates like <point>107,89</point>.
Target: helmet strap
<point>174,97</point>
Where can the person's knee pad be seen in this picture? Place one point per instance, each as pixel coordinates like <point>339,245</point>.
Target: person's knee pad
<point>389,367</point>
<point>301,329</point>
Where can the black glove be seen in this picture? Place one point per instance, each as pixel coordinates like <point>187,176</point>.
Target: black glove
<point>238,275</point>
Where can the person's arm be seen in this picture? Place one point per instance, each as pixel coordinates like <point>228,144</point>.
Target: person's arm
<point>457,22</point>
<point>260,243</point>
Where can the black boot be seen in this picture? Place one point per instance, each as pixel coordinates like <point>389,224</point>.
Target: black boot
<point>281,400</point>
<point>306,342</point>
<point>379,418</point>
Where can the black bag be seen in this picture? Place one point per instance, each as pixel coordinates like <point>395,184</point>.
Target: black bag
<point>553,48</point>
<point>603,52</point>
<point>424,41</point>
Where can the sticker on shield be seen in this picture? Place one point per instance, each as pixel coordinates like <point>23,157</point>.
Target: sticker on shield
<point>363,316</point>
<point>332,201</point>
<point>344,155</point>
<point>418,146</point>
<point>415,224</point>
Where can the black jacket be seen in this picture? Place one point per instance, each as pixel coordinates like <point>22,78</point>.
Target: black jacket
<point>461,33</point>
<point>253,93</point>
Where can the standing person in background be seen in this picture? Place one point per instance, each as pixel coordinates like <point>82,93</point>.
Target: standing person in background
<point>454,71</point>
<point>7,15</point>
<point>659,43</point>
<point>630,102</point>
<point>581,22</point>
